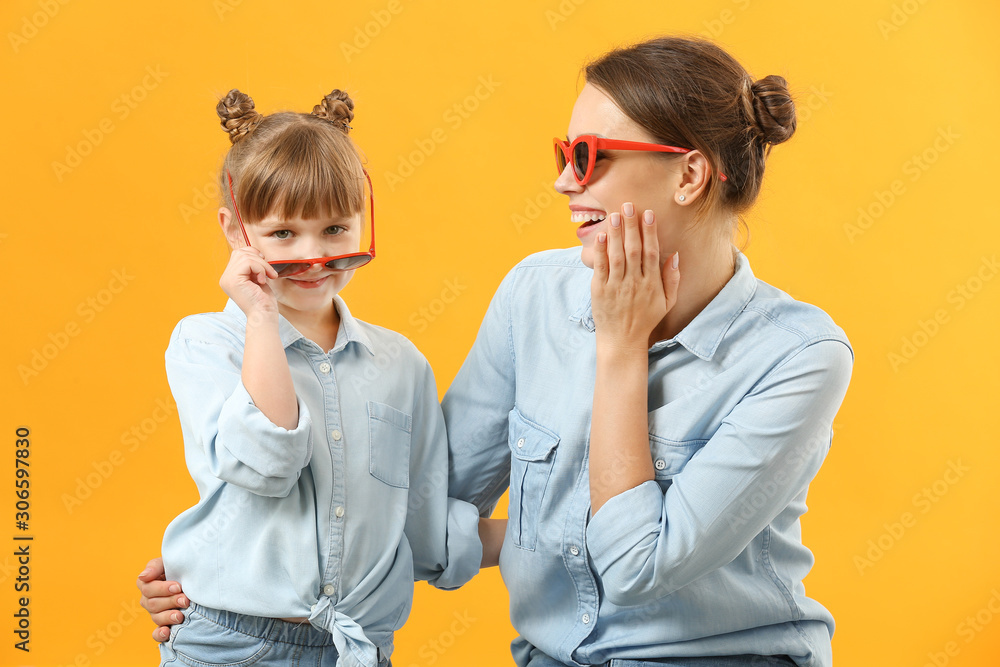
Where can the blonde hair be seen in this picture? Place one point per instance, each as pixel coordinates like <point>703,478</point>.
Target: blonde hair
<point>291,164</point>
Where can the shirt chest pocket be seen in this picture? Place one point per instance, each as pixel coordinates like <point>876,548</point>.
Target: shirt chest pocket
<point>532,450</point>
<point>389,444</point>
<point>670,457</point>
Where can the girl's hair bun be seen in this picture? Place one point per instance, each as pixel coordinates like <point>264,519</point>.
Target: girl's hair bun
<point>774,110</point>
<point>336,108</point>
<point>238,116</point>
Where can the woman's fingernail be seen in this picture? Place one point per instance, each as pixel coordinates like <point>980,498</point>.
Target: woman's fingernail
<point>182,601</point>
<point>616,219</point>
<point>602,237</point>
<point>174,588</point>
<point>676,260</point>
<point>647,217</point>
<point>143,573</point>
<point>628,209</point>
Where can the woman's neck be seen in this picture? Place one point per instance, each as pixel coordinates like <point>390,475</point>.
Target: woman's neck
<point>706,265</point>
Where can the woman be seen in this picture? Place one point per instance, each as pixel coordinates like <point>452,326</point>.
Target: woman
<point>657,412</point>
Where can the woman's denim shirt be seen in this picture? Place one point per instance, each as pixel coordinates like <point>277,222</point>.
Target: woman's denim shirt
<point>707,559</point>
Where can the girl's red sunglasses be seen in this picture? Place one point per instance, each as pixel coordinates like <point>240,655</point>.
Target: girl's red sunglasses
<point>582,153</point>
<point>293,267</point>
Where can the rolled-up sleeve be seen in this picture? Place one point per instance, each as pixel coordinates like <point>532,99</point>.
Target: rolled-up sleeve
<point>647,543</point>
<point>241,446</point>
<point>443,532</point>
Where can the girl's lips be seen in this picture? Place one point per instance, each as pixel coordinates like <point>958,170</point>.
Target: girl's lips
<point>309,284</point>
<point>587,229</point>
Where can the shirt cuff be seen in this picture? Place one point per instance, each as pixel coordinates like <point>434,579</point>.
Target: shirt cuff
<point>465,550</point>
<point>622,523</point>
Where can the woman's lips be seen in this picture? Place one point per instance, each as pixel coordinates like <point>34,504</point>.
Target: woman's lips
<point>590,217</point>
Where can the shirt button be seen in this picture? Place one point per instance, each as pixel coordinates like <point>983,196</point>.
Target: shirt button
<point>520,443</point>
<point>575,550</point>
<point>324,367</point>
<point>660,464</point>
<point>585,618</point>
<point>339,512</point>
<point>329,589</point>
<point>336,435</point>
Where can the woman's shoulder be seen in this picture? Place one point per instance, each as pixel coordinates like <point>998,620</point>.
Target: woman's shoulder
<point>800,319</point>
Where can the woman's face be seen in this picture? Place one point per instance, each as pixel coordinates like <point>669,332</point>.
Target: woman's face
<point>647,180</point>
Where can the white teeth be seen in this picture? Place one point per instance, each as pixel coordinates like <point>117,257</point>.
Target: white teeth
<point>586,216</point>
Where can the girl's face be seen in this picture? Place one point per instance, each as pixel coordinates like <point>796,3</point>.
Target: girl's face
<point>647,180</point>
<point>306,238</point>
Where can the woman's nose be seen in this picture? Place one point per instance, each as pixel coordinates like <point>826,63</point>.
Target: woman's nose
<point>566,183</point>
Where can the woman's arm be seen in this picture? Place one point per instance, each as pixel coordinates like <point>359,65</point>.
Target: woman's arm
<point>630,295</point>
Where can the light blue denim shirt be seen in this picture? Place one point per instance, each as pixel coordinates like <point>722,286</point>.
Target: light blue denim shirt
<point>334,519</point>
<point>707,559</point>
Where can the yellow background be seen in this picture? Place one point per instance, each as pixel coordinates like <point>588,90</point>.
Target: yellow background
<point>897,103</point>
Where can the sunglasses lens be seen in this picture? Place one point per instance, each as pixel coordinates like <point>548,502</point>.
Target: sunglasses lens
<point>349,262</point>
<point>560,158</point>
<point>286,269</point>
<point>581,155</point>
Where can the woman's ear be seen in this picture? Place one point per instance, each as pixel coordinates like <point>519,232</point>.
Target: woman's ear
<point>230,228</point>
<point>694,178</point>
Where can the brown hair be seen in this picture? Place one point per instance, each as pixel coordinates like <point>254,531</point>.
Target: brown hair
<point>291,164</point>
<point>690,93</point>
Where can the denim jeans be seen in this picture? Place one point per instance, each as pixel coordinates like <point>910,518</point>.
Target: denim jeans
<point>210,637</point>
<point>539,659</point>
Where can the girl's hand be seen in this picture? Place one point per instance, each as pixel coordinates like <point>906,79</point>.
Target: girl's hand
<point>245,282</point>
<point>160,598</point>
<point>631,293</point>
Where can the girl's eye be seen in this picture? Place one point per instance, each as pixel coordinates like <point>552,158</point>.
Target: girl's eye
<point>282,234</point>
<point>334,230</point>
<point>600,155</point>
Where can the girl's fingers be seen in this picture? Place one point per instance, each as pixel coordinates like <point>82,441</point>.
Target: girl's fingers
<point>616,251</point>
<point>632,241</point>
<point>650,244</point>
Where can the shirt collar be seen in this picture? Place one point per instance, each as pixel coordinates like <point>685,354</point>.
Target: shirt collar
<point>705,332</point>
<point>350,331</point>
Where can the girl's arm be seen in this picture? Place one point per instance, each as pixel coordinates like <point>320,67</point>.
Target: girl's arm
<point>265,372</point>
<point>631,294</point>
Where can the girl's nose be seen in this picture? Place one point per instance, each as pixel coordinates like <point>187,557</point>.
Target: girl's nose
<point>566,184</point>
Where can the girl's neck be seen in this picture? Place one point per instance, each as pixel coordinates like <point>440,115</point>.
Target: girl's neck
<point>320,326</point>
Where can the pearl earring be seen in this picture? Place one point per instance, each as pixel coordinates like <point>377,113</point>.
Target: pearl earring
<point>680,198</point>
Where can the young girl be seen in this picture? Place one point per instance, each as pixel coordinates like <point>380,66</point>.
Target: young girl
<point>321,472</point>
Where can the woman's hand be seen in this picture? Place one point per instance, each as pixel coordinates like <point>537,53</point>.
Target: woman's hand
<point>631,292</point>
<point>162,599</point>
<point>245,282</point>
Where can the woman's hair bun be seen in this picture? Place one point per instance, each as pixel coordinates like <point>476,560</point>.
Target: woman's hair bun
<point>238,116</point>
<point>336,108</point>
<point>774,110</point>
